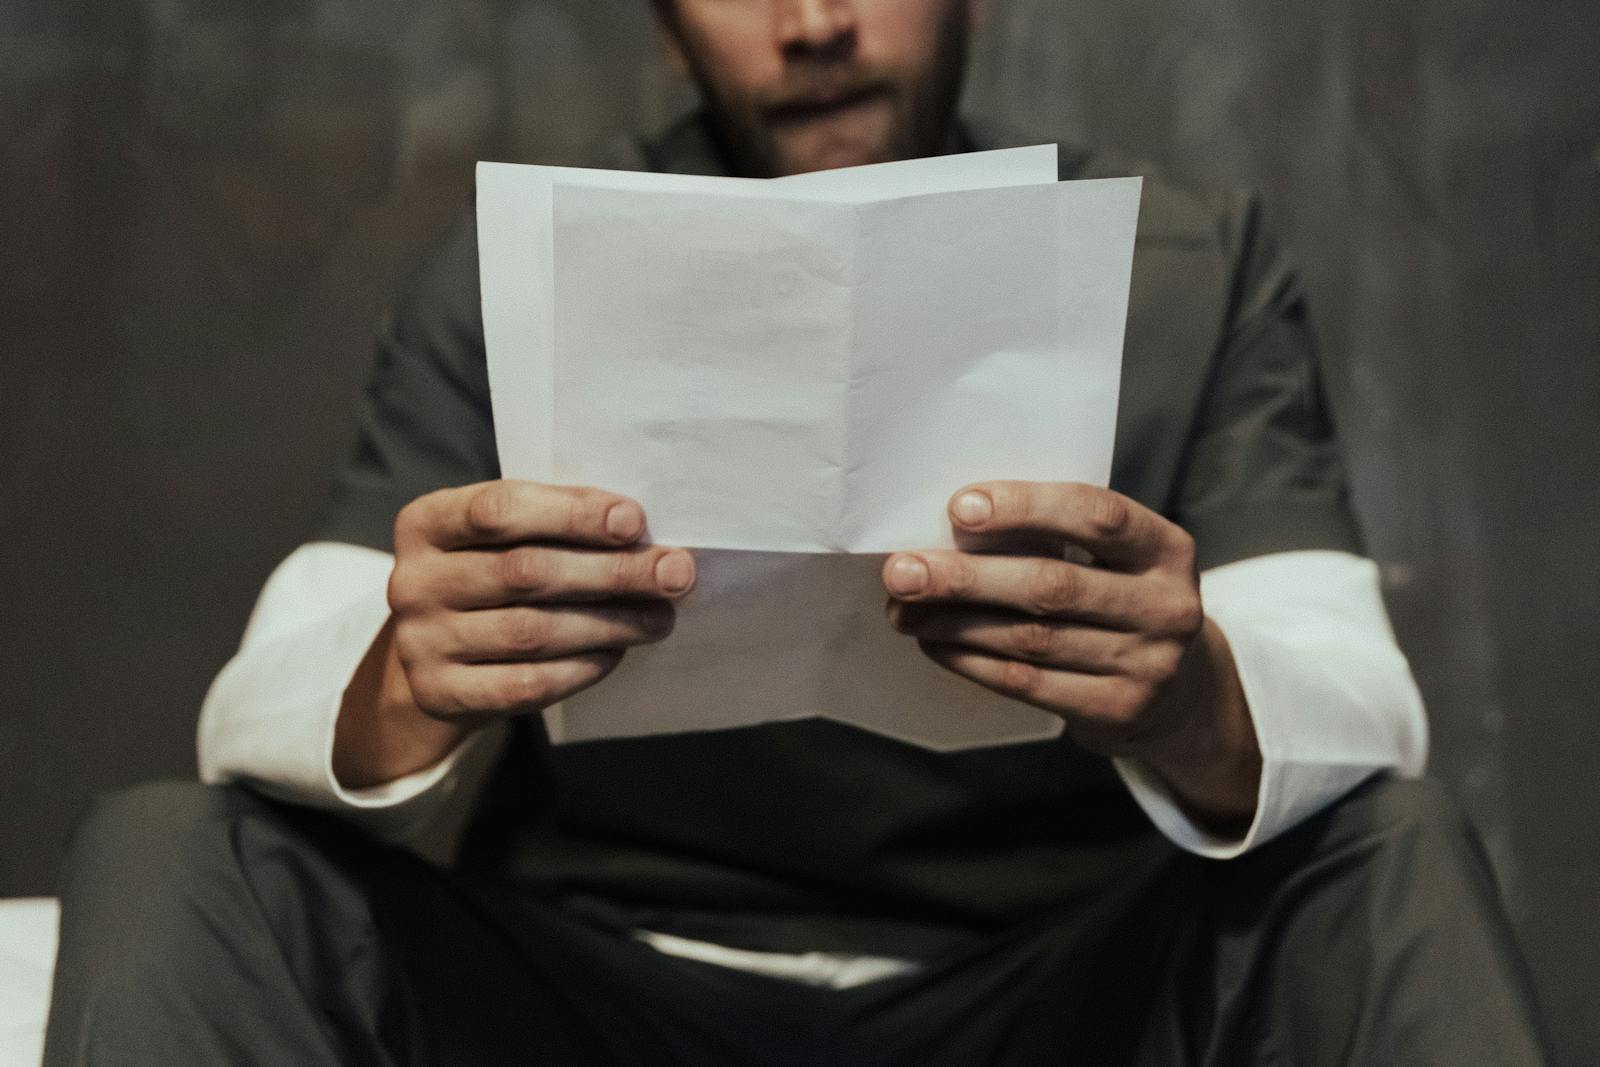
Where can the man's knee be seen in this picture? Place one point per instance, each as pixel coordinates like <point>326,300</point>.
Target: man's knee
<point>154,837</point>
<point>165,881</point>
<point>179,900</point>
<point>155,813</point>
<point>1390,889</point>
<point>150,881</point>
<point>1410,802</point>
<point>1390,839</point>
<point>1413,814</point>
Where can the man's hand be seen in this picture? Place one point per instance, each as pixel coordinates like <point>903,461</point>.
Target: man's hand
<point>1119,647</point>
<point>506,597</point>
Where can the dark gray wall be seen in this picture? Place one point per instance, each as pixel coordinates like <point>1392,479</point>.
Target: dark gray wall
<point>204,212</point>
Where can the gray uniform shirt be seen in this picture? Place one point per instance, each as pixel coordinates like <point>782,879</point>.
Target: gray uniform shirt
<point>807,835</point>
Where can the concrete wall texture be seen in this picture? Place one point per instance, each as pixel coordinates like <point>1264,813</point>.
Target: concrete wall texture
<point>207,207</point>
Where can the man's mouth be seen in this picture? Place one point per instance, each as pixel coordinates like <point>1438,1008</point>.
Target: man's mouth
<point>823,105</point>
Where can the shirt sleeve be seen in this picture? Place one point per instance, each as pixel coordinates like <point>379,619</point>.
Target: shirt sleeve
<point>1330,693</point>
<point>424,424</point>
<point>1263,471</point>
<point>268,719</point>
<point>1264,493</point>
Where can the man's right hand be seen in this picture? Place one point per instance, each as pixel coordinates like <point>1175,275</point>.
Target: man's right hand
<point>506,597</point>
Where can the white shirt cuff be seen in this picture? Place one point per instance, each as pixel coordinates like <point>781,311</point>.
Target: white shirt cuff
<point>1330,694</point>
<point>268,720</point>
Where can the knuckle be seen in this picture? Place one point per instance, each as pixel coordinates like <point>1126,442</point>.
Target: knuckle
<point>1126,702</point>
<point>1181,548</point>
<point>1109,513</point>
<point>1129,655</point>
<point>1036,640</point>
<point>578,513</point>
<point>1019,678</point>
<point>1054,586</point>
<point>1167,663</point>
<point>489,509</point>
<point>954,578</point>
<point>525,632</point>
<point>1101,707</point>
<point>526,686</point>
<point>1187,613</point>
<point>411,650</point>
<point>525,570</point>
<point>629,569</point>
<point>430,696</point>
<point>1156,662</point>
<point>404,591</point>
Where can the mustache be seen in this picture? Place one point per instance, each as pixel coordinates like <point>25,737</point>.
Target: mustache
<point>811,88</point>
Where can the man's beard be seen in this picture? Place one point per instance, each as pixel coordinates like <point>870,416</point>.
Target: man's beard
<point>923,106</point>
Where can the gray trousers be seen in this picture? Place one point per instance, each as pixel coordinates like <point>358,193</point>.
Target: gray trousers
<point>207,926</point>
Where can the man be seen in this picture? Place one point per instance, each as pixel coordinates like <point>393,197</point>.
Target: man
<point>805,892</point>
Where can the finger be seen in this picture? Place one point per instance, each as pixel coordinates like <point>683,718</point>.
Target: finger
<point>499,689</point>
<point>506,512</point>
<point>1047,642</point>
<point>523,634</point>
<point>1027,584</point>
<point>1100,708</point>
<point>1116,530</point>
<point>532,574</point>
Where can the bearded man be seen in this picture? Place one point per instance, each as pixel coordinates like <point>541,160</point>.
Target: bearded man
<point>1226,859</point>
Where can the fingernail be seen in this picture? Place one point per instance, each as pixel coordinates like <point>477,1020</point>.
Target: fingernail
<point>973,508</point>
<point>624,522</point>
<point>908,576</point>
<point>675,572</point>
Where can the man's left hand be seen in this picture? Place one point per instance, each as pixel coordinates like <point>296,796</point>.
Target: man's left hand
<point>1118,646</point>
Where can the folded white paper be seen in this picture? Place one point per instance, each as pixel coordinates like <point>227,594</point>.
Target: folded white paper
<point>517,268</point>
<point>789,374</point>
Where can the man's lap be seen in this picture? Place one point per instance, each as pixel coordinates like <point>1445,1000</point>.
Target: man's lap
<point>355,952</point>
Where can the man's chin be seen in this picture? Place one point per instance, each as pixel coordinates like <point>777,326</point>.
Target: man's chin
<point>832,156</point>
<point>866,135</point>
